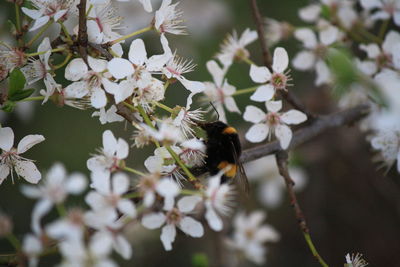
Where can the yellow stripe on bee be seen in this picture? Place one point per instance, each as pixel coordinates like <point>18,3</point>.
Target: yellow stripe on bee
<point>229,130</point>
<point>230,169</point>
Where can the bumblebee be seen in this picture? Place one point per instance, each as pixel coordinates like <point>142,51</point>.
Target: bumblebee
<point>223,152</point>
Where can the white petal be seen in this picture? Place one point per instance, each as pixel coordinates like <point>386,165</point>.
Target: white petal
<point>120,183</point>
<point>248,37</point>
<point>257,133</point>
<point>146,5</point>
<point>259,74</point>
<point>32,13</point>
<point>76,69</point>
<point>31,191</point>
<point>216,72</point>
<point>391,40</point>
<point>137,52</point>
<point>214,221</point>
<point>122,149</point>
<point>310,13</point>
<point>98,98</point>
<point>398,162</point>
<point>188,203</point>
<point>59,14</point>
<point>284,135</point>
<point>253,114</point>
<point>95,35</point>
<point>323,73</point>
<point>266,234</point>
<point>274,106</point>
<point>168,234</point>
<point>370,4</point>
<point>372,50</point>
<point>127,207</point>
<point>101,182</point>
<point>29,141</point>
<point>149,198</point>
<point>96,201</point>
<point>76,183</point>
<point>28,171</point>
<point>4,172</point>
<point>263,93</point>
<point>230,104</point>
<point>304,60</point>
<point>120,68</point>
<point>41,208</point>
<point>122,246</point>
<point>191,227</point>
<point>32,245</point>
<point>329,35</point>
<point>97,65</point>
<point>293,117</point>
<point>307,37</point>
<point>153,220</point>
<point>6,138</point>
<point>192,86</point>
<point>39,23</point>
<point>76,90</point>
<point>100,244</point>
<point>281,60</point>
<point>167,188</point>
<point>109,143</point>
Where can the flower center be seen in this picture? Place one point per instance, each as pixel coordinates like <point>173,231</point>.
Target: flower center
<point>279,81</point>
<point>174,216</point>
<point>273,119</point>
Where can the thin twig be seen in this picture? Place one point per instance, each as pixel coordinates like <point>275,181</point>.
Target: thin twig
<point>282,162</point>
<point>305,134</point>
<point>261,33</point>
<point>82,33</point>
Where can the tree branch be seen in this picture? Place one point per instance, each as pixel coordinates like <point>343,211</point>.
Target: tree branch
<point>82,33</point>
<point>282,162</point>
<point>303,135</point>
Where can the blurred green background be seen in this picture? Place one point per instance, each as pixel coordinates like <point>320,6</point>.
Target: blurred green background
<point>348,204</point>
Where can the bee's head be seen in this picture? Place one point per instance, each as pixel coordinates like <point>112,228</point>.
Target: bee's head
<point>215,127</point>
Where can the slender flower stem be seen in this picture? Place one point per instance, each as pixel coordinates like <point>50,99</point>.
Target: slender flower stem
<point>167,83</point>
<point>17,18</point>
<point>89,9</point>
<point>44,28</point>
<point>131,107</point>
<point>14,241</point>
<point>134,171</point>
<point>64,29</point>
<point>62,64</point>
<point>147,120</point>
<point>190,192</point>
<point>370,36</point>
<point>245,91</point>
<point>383,29</point>
<point>160,105</point>
<point>131,35</point>
<point>61,209</point>
<point>44,52</point>
<point>132,195</point>
<point>33,98</point>
<point>181,164</point>
<point>248,61</point>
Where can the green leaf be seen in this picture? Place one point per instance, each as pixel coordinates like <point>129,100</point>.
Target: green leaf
<point>200,260</point>
<point>326,12</point>
<point>8,106</point>
<point>20,95</point>
<point>16,82</point>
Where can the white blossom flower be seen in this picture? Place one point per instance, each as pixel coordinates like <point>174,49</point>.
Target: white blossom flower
<point>102,22</point>
<point>168,19</point>
<point>385,9</point>
<point>249,235</point>
<point>313,56</point>
<point>278,80</point>
<point>32,248</point>
<point>175,217</point>
<point>387,141</point>
<point>193,152</point>
<point>276,31</point>
<point>150,185</point>
<point>53,191</point>
<point>51,87</point>
<point>68,228</point>
<point>167,131</point>
<point>113,152</point>
<point>38,69</point>
<point>162,162</point>
<point>108,116</point>
<point>146,3</point>
<point>355,260</point>
<point>87,82</point>
<point>270,185</point>
<point>220,92</point>
<point>219,201</point>
<point>46,10</point>
<point>272,122</point>
<point>11,159</point>
<point>108,193</point>
<point>234,47</point>
<point>11,58</point>
<point>187,119</point>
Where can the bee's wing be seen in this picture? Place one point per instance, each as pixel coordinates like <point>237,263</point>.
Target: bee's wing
<point>241,175</point>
